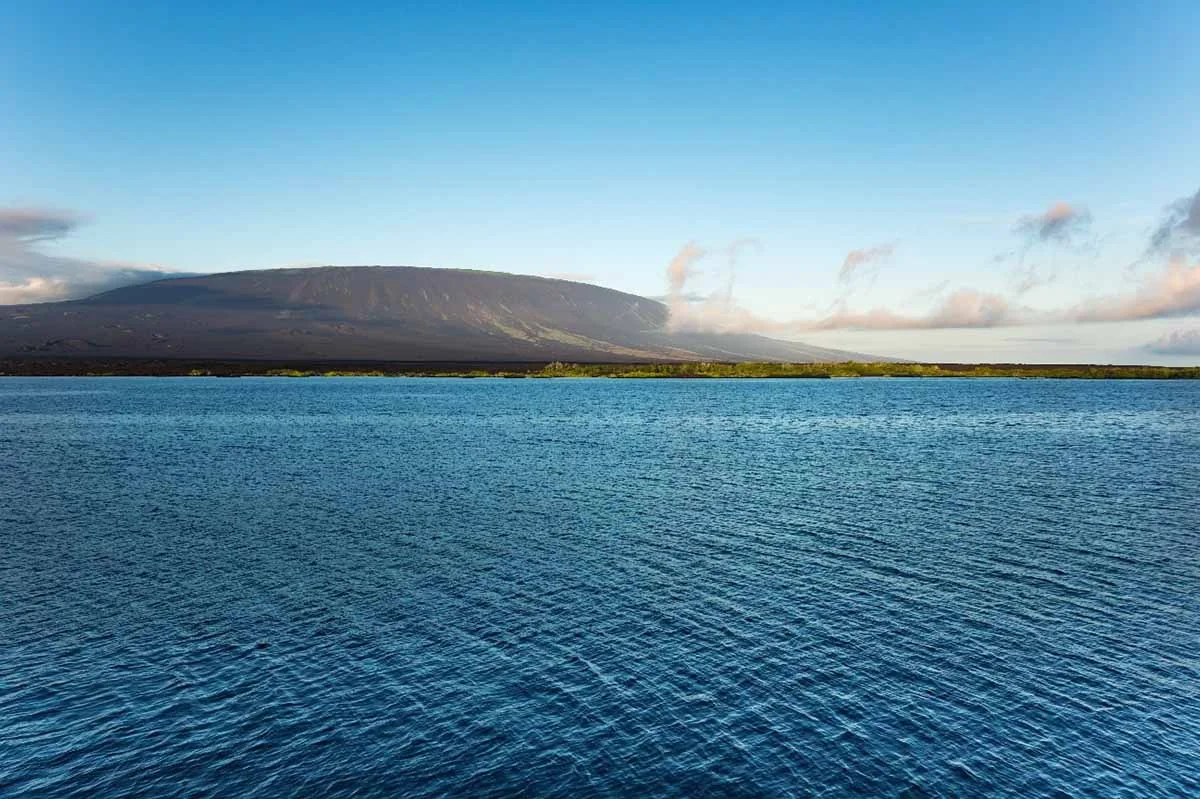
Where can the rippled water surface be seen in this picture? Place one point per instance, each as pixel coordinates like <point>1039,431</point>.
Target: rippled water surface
<point>378,587</point>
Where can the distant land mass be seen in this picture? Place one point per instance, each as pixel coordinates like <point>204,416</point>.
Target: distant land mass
<point>378,313</point>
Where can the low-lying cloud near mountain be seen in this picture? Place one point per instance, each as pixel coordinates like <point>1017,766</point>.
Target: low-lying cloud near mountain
<point>29,274</point>
<point>713,312</point>
<point>719,312</point>
<point>1172,291</point>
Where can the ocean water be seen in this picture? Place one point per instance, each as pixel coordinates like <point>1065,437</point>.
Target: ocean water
<point>431,587</point>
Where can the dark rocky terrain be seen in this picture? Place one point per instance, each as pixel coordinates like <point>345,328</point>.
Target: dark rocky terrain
<point>375,313</point>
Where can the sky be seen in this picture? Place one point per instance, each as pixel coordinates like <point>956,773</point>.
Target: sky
<point>932,181</point>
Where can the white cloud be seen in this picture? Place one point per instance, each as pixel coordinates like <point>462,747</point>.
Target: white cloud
<point>29,274</point>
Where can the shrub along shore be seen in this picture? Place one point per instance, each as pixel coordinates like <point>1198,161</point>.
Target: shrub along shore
<point>198,368</point>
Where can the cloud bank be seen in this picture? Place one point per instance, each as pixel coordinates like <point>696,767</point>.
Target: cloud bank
<point>962,308</point>
<point>1172,292</point>
<point>719,312</point>
<point>28,274</point>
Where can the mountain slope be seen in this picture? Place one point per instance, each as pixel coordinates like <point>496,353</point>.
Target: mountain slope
<point>375,313</point>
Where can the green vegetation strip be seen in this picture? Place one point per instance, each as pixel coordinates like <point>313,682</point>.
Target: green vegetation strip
<point>782,370</point>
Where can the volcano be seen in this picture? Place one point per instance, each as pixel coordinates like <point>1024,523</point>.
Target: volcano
<point>396,313</point>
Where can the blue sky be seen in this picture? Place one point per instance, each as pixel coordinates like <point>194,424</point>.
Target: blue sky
<point>547,139</point>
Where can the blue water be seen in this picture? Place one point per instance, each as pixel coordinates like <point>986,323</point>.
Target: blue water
<point>428,587</point>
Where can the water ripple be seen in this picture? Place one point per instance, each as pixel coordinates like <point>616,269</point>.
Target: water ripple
<point>621,588</point>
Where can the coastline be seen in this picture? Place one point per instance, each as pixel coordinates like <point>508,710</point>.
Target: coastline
<point>166,367</point>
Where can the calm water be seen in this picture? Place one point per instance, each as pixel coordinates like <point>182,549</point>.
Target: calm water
<point>357,587</point>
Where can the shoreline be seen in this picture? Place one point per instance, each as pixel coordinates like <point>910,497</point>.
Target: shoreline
<point>197,367</point>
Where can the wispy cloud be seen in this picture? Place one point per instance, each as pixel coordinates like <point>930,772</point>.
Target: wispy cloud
<point>1028,278</point>
<point>1058,223</point>
<point>29,274</point>
<point>1178,342</point>
<point>929,292</point>
<point>1172,292</point>
<point>1062,225</point>
<point>1043,339</point>
<point>31,224</point>
<point>965,308</point>
<point>860,262</point>
<point>1179,229</point>
<point>715,310</point>
<point>682,267</point>
<point>720,312</point>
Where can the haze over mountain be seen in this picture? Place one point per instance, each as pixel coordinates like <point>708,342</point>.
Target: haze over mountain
<point>376,313</point>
